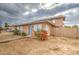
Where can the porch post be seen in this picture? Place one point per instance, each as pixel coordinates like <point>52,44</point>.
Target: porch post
<point>43,26</point>
<point>33,31</point>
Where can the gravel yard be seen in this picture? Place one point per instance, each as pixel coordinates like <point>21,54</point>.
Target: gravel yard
<point>27,46</point>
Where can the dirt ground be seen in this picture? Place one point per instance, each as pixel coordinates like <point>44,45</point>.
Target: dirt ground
<point>52,46</point>
<point>7,36</point>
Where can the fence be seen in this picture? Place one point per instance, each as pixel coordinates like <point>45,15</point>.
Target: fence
<point>66,32</point>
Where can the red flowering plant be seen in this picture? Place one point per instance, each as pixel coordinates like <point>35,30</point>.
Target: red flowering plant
<point>42,35</point>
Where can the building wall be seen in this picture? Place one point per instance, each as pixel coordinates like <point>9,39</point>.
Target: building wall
<point>12,27</point>
<point>43,26</point>
<point>25,28</point>
<point>59,32</point>
<point>59,22</point>
<point>66,32</point>
<point>50,29</point>
<point>46,26</point>
<point>56,31</point>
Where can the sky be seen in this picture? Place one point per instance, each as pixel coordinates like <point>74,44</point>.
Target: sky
<point>19,13</point>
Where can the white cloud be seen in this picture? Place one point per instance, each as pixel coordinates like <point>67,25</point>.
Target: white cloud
<point>46,5</point>
<point>74,10</point>
<point>34,10</point>
<point>49,5</point>
<point>29,10</point>
<point>26,13</point>
<point>27,7</point>
<point>67,13</point>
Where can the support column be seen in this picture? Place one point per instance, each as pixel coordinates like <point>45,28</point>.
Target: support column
<point>43,26</point>
<point>33,34</point>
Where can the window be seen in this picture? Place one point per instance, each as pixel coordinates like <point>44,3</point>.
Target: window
<point>46,28</point>
<point>37,27</point>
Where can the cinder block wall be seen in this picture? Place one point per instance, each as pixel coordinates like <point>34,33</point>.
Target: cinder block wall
<point>66,32</point>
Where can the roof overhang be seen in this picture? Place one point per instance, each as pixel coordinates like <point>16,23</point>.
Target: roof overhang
<point>42,20</point>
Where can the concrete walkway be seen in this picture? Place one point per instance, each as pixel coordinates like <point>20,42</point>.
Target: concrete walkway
<point>8,36</point>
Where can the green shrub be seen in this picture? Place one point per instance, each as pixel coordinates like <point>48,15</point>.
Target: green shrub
<point>1,29</point>
<point>23,34</point>
<point>75,26</point>
<point>37,34</point>
<point>6,26</point>
<point>16,32</point>
<point>67,26</point>
<point>41,35</point>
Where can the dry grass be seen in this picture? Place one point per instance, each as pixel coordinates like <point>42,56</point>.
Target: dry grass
<point>53,46</point>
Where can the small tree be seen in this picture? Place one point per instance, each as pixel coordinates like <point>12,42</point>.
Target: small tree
<point>6,26</point>
<point>75,26</point>
<point>67,26</point>
<point>0,29</point>
<point>16,32</point>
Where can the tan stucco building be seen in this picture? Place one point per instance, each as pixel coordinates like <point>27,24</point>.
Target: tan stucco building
<point>45,24</point>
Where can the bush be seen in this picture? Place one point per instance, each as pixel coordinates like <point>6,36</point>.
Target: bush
<point>37,34</point>
<point>23,34</point>
<point>6,26</point>
<point>75,26</point>
<point>41,35</point>
<point>16,32</point>
<point>67,26</point>
<point>1,29</point>
<point>44,35</point>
